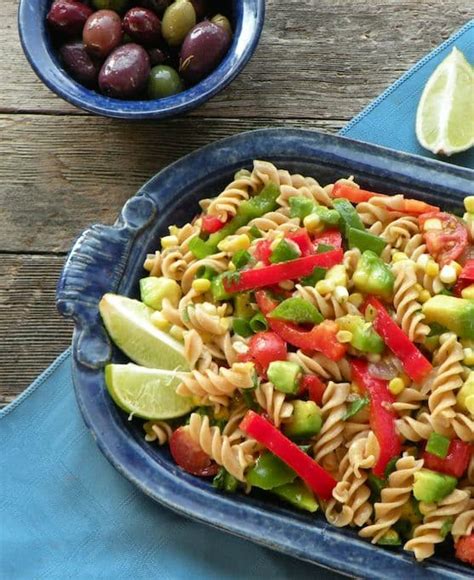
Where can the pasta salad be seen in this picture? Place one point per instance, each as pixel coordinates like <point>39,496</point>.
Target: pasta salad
<point>327,344</point>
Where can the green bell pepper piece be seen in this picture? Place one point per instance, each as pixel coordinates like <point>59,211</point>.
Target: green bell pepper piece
<point>365,241</point>
<point>258,323</point>
<point>316,275</point>
<point>364,337</point>
<point>206,272</point>
<point>329,217</point>
<point>323,248</point>
<point>438,445</point>
<point>284,251</point>
<point>349,217</point>
<point>301,206</point>
<point>390,538</point>
<point>373,276</point>
<point>242,327</point>
<point>297,310</point>
<point>225,481</point>
<point>270,472</point>
<point>255,233</point>
<point>298,495</point>
<point>241,258</point>
<point>218,290</point>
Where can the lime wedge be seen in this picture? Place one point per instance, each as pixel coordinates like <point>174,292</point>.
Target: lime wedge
<point>147,393</point>
<point>445,115</point>
<point>129,325</point>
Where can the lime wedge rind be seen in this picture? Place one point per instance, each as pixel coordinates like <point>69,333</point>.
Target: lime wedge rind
<point>445,115</point>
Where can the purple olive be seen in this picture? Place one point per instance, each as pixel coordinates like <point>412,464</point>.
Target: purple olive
<point>102,33</point>
<point>157,56</point>
<point>203,49</point>
<point>158,6</point>
<point>79,63</point>
<point>201,7</point>
<point>125,73</point>
<point>143,26</point>
<point>68,17</point>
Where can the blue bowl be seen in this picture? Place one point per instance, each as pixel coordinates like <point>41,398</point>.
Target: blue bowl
<point>110,258</point>
<point>37,46</point>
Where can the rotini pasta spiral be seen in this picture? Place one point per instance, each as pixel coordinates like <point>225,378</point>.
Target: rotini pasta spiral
<point>273,402</point>
<point>225,205</point>
<point>381,209</point>
<point>328,305</point>
<point>319,364</point>
<point>429,533</point>
<point>158,431</point>
<point>393,497</point>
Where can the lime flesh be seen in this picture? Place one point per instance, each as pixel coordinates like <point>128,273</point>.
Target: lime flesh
<point>146,393</point>
<point>129,325</point>
<point>445,115</point>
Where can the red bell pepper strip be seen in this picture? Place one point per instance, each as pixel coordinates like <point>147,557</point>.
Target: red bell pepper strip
<point>456,461</point>
<point>314,386</point>
<point>465,278</point>
<point>302,240</point>
<point>329,238</point>
<point>321,337</point>
<point>211,224</point>
<point>382,417</point>
<point>355,195</point>
<point>415,364</point>
<point>291,270</point>
<point>317,478</point>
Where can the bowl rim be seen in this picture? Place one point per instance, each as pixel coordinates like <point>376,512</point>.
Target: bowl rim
<point>188,496</point>
<point>35,44</point>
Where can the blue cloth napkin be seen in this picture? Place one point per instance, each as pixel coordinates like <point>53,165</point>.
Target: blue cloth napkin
<point>66,513</point>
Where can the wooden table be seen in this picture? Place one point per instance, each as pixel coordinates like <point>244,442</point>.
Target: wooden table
<point>319,63</point>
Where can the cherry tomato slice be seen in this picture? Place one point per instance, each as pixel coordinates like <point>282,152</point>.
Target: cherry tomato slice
<point>262,251</point>
<point>448,243</point>
<point>264,348</point>
<point>189,456</point>
<point>465,549</point>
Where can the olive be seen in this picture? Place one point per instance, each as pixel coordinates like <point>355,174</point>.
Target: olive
<point>178,20</point>
<point>102,33</point>
<point>116,5</point>
<point>202,50</point>
<point>157,56</point>
<point>158,6</point>
<point>223,21</point>
<point>68,17</point>
<point>163,82</point>
<point>201,8</point>
<point>142,25</point>
<point>79,63</point>
<point>125,72</point>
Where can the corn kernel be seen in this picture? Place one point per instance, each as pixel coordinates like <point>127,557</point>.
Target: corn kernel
<point>424,296</point>
<point>448,275</point>
<point>344,336</point>
<point>469,203</point>
<point>312,222</point>
<point>399,257</point>
<point>173,230</point>
<point>457,266</point>
<point>234,243</point>
<point>418,287</point>
<point>356,299</point>
<point>324,287</point>
<point>341,294</point>
<point>176,332</point>
<point>169,242</point>
<point>396,386</point>
<point>468,356</point>
<point>423,260</point>
<point>432,268</point>
<point>201,285</point>
<point>160,321</point>
<point>468,292</point>
<point>433,224</point>
<point>470,404</point>
<point>338,275</point>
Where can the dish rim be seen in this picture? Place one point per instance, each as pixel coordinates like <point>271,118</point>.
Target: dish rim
<point>280,519</point>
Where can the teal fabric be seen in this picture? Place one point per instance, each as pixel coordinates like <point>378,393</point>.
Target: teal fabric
<point>66,513</point>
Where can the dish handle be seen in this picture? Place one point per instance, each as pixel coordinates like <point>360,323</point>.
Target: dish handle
<point>95,265</point>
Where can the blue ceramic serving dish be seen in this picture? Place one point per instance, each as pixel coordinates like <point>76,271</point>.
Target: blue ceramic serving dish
<point>110,258</point>
<point>36,43</point>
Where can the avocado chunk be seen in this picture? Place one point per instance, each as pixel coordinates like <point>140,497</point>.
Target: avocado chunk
<point>270,472</point>
<point>456,314</point>
<point>465,396</point>
<point>390,538</point>
<point>285,376</point>
<point>431,486</point>
<point>298,495</point>
<point>153,290</point>
<point>305,421</point>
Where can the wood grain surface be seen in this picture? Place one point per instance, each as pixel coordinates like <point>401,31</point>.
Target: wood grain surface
<point>319,63</point>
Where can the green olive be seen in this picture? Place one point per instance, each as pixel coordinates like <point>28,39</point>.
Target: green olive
<point>163,82</point>
<point>178,20</point>
<point>223,21</point>
<point>117,5</point>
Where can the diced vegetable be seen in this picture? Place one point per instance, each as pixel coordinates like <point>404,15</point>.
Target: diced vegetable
<point>445,236</point>
<point>438,445</point>
<point>382,418</point>
<point>284,251</point>
<point>305,421</point>
<point>456,461</point>
<point>414,363</point>
<point>241,258</point>
<point>188,454</point>
<point>269,472</point>
<point>258,323</point>
<point>349,216</point>
<point>356,406</point>
<point>330,238</point>
<point>301,206</point>
<point>364,337</point>
<point>265,347</point>
<point>373,276</point>
<point>225,481</point>
<point>431,486</point>
<point>456,314</point>
<point>298,495</point>
<point>317,478</point>
<point>465,549</point>
<point>211,224</point>
<point>285,376</point>
<point>297,310</point>
<point>242,327</point>
<point>314,386</point>
<point>218,290</point>
<point>365,241</point>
